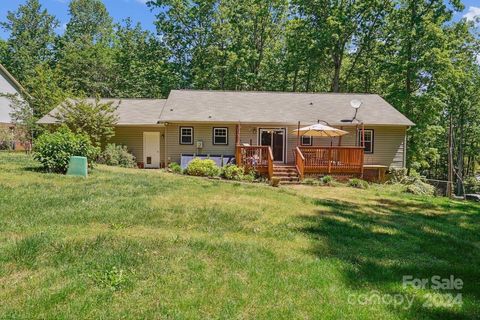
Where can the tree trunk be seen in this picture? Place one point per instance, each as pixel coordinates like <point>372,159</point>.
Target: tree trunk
<point>460,159</point>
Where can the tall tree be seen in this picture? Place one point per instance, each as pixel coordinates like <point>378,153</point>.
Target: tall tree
<point>415,43</point>
<point>31,36</point>
<point>222,44</point>
<point>141,68</point>
<point>85,57</point>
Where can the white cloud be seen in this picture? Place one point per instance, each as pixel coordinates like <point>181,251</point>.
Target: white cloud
<point>472,14</point>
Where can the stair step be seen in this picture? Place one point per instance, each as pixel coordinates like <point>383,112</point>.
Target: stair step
<point>283,173</point>
<point>285,170</point>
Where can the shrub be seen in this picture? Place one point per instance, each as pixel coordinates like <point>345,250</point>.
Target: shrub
<point>327,180</point>
<point>249,177</point>
<point>358,183</point>
<point>203,168</point>
<point>233,172</point>
<point>421,188</point>
<point>397,175</point>
<point>117,155</point>
<point>175,167</point>
<point>472,185</point>
<point>93,118</point>
<point>53,150</point>
<point>7,139</point>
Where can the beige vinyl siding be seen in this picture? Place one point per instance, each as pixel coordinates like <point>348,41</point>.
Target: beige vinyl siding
<point>389,141</point>
<point>132,137</point>
<point>203,132</point>
<point>389,146</point>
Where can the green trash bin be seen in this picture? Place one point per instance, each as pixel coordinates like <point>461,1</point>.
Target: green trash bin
<point>78,166</point>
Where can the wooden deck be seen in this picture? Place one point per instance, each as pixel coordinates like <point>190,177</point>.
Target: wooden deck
<point>308,160</point>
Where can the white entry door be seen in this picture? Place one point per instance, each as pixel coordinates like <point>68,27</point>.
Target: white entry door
<point>151,149</point>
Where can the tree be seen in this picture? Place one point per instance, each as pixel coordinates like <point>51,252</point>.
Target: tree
<point>89,22</point>
<point>85,57</point>
<point>95,119</point>
<point>414,48</point>
<point>31,37</point>
<point>222,44</point>
<point>44,91</point>
<point>141,68</point>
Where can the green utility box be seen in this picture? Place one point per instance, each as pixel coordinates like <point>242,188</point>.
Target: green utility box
<point>78,166</point>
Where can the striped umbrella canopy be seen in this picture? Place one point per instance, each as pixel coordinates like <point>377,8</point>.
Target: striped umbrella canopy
<point>320,130</point>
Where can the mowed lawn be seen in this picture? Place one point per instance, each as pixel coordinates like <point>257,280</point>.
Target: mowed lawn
<point>130,243</point>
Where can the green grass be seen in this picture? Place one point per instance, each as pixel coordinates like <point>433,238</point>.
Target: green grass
<point>130,243</point>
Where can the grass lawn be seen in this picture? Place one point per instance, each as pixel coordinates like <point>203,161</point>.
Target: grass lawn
<point>130,243</point>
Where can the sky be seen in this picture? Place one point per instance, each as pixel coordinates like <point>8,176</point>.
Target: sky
<point>118,9</point>
<point>139,12</point>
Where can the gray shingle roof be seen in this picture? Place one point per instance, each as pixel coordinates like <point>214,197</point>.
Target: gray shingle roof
<point>254,107</point>
<point>277,107</point>
<point>130,111</point>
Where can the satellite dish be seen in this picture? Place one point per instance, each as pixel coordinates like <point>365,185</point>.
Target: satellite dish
<point>355,103</point>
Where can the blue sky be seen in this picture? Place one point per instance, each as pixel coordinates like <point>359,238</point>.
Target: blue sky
<point>139,12</point>
<point>118,9</point>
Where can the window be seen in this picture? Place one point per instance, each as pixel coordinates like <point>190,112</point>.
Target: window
<point>220,135</point>
<point>368,140</point>
<point>306,140</point>
<point>186,135</point>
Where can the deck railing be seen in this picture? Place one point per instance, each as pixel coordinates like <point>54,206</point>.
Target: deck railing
<point>258,158</point>
<point>300,162</point>
<point>330,159</point>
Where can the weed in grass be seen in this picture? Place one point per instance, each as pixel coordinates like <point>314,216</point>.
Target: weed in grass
<point>112,278</point>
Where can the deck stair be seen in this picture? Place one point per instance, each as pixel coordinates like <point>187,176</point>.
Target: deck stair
<point>287,174</point>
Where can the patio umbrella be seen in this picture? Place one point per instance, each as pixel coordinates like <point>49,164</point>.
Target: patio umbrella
<point>320,130</point>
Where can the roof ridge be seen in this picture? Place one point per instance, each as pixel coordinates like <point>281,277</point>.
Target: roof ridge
<point>14,81</point>
<point>279,92</point>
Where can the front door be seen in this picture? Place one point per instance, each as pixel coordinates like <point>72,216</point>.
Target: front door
<point>151,149</point>
<point>274,138</point>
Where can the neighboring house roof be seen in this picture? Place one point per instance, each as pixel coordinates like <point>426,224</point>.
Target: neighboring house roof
<point>8,85</point>
<point>254,107</point>
<point>277,107</point>
<point>130,111</point>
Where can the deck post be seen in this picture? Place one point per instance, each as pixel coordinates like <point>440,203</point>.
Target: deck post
<point>329,160</point>
<point>340,138</point>
<point>363,135</point>
<point>237,135</point>
<point>298,134</point>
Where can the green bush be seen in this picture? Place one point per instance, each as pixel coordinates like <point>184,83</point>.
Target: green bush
<point>203,168</point>
<point>117,155</point>
<point>53,150</point>
<point>7,139</point>
<point>472,185</point>
<point>358,183</point>
<point>233,172</point>
<point>175,167</point>
<point>327,180</point>
<point>249,176</point>
<point>421,188</point>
